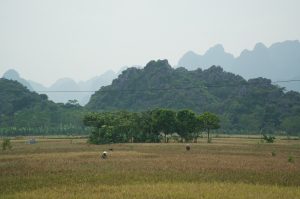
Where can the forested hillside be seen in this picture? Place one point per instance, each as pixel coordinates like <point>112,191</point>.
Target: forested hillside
<point>253,106</point>
<point>23,112</point>
<point>243,106</point>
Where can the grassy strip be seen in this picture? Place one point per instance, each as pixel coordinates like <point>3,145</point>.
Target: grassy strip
<point>169,190</point>
<point>14,184</point>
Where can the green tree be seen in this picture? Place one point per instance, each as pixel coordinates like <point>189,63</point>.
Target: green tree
<point>146,127</point>
<point>187,125</point>
<point>164,121</point>
<point>209,121</point>
<point>291,125</point>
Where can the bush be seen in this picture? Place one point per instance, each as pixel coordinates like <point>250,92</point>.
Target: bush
<point>273,153</point>
<point>291,159</point>
<point>6,144</point>
<point>269,139</point>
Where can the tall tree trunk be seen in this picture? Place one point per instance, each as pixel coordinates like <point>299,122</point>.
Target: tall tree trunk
<point>208,135</point>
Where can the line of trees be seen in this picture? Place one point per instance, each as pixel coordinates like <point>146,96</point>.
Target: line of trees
<point>148,126</point>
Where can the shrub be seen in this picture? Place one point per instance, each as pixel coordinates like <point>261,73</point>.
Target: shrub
<point>6,144</point>
<point>291,159</point>
<point>273,153</point>
<point>269,139</point>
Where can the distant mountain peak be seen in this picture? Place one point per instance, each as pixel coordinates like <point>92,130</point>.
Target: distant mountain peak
<point>215,55</point>
<point>189,58</point>
<point>11,74</point>
<point>190,53</point>
<point>218,48</point>
<point>158,64</point>
<point>64,83</point>
<point>260,46</point>
<point>287,43</point>
<point>244,52</point>
<point>280,60</point>
<point>214,68</point>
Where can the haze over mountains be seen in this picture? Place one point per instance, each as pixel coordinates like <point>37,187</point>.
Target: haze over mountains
<point>14,75</point>
<point>65,84</point>
<point>280,61</point>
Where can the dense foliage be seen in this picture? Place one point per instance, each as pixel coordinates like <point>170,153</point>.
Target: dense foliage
<point>209,121</point>
<point>23,112</point>
<point>253,106</point>
<point>6,144</point>
<point>148,126</point>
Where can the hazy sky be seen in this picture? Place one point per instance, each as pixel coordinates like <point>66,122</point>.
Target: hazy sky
<point>48,39</point>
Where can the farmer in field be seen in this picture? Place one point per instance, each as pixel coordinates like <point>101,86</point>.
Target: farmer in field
<point>188,147</point>
<point>104,155</point>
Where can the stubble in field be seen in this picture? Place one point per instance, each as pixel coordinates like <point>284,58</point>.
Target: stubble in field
<point>227,168</point>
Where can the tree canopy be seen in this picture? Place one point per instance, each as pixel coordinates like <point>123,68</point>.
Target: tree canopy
<point>149,126</point>
<point>23,112</point>
<point>209,121</point>
<point>243,106</point>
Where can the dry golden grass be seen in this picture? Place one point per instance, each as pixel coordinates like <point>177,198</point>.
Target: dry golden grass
<point>226,168</point>
<point>164,190</point>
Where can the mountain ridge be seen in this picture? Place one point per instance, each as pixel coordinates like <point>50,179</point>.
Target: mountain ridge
<point>279,61</point>
<point>65,84</point>
<point>12,74</point>
<point>249,105</point>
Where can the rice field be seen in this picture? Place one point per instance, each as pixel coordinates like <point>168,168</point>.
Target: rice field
<point>227,168</point>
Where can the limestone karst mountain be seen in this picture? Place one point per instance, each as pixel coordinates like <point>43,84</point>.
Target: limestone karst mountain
<point>56,91</point>
<point>280,61</point>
